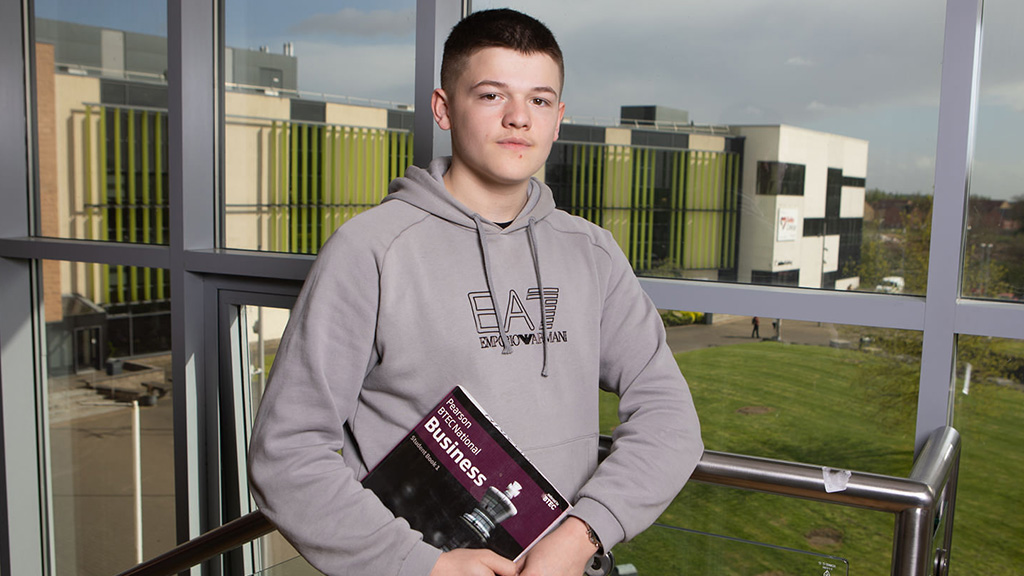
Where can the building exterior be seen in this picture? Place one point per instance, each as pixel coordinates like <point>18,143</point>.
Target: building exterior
<point>803,207</point>
<point>755,204</point>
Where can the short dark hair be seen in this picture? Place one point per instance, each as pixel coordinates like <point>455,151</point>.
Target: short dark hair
<point>500,28</point>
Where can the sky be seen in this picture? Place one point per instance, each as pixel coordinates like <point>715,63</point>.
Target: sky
<point>868,69</point>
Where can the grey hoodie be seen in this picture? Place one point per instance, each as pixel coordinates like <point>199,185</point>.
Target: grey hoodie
<point>418,295</point>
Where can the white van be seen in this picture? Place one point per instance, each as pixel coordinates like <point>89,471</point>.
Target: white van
<point>891,285</point>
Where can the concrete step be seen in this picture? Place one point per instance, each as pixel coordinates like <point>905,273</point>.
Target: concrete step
<point>73,403</point>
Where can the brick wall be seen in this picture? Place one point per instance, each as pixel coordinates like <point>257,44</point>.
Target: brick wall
<point>48,191</point>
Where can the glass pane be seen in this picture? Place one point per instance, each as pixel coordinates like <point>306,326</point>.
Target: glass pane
<point>108,345</point>
<point>663,549</point>
<point>994,250</point>
<point>262,333</point>
<point>318,116</point>
<point>810,392</point>
<point>101,94</point>
<point>818,393</point>
<point>744,156</point>
<point>989,413</point>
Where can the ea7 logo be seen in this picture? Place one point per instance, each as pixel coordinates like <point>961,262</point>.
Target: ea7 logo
<point>517,316</point>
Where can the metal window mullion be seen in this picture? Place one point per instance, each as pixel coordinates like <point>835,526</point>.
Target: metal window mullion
<point>192,160</point>
<point>434,18</point>
<point>961,63</point>
<point>24,503</point>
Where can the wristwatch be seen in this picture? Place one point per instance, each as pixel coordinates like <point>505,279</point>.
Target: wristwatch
<point>593,538</point>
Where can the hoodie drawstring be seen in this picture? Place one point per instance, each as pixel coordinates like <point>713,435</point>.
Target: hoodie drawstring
<point>540,293</point>
<point>506,346</point>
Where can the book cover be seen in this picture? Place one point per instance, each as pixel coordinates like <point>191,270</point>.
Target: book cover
<point>462,483</point>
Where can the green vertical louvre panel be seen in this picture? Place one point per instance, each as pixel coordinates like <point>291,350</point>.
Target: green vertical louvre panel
<point>608,193</point>
<point>719,207</point>
<point>102,197</point>
<point>700,257</point>
<point>351,172</point>
<point>89,194</point>
<point>293,188</point>
<point>89,190</point>
<point>283,223</point>
<point>649,212</point>
<point>118,203</point>
<point>591,184</point>
<point>133,272</point>
<point>679,203</point>
<point>362,160</point>
<point>574,180</point>
<point>734,209</point>
<point>304,179</point>
<point>331,169</point>
<point>690,225</point>
<point>645,194</point>
<point>147,291</point>
<point>313,174</point>
<point>158,169</point>
<point>731,210</point>
<point>272,166</point>
<point>673,228</point>
<point>322,176</point>
<point>636,221</point>
<point>324,212</point>
<point>618,212</point>
<point>630,249</point>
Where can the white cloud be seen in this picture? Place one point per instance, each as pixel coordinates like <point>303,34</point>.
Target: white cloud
<point>799,61</point>
<point>379,72</point>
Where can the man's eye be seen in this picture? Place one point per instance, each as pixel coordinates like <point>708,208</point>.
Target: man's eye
<point>540,102</point>
<point>490,96</point>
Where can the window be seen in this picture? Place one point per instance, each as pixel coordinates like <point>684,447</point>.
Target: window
<point>111,463</point>
<point>993,265</point>
<point>775,178</point>
<point>102,93</point>
<point>316,129</point>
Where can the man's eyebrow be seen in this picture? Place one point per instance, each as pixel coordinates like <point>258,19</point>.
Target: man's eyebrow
<point>503,85</point>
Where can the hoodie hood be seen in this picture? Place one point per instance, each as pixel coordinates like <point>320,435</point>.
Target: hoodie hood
<point>425,190</point>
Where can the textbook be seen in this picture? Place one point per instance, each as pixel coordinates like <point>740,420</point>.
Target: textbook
<point>462,483</point>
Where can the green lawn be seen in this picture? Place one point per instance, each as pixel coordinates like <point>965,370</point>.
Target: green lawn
<point>817,405</point>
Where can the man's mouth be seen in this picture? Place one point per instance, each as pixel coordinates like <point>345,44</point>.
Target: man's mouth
<point>514,143</point>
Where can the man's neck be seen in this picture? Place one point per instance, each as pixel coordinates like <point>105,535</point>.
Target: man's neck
<point>495,203</point>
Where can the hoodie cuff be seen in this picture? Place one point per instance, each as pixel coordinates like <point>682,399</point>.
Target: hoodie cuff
<point>420,561</point>
<point>600,520</point>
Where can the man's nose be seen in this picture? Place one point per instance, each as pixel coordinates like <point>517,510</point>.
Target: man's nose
<point>516,115</point>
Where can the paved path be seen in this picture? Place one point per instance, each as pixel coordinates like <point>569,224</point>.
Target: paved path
<point>736,330</point>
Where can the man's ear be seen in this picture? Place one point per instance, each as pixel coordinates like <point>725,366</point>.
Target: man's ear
<point>561,113</point>
<point>439,107</point>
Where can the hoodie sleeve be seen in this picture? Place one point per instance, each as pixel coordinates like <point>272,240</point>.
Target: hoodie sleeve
<point>297,476</point>
<point>657,445</point>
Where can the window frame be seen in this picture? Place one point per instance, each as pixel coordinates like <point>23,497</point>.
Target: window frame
<point>203,274</point>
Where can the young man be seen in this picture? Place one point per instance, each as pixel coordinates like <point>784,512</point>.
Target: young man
<point>467,274</point>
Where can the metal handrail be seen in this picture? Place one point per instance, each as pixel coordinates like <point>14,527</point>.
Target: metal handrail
<point>918,502</point>
<point>201,548</point>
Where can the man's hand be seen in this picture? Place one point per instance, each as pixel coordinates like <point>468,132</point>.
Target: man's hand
<point>565,551</point>
<point>467,562</point>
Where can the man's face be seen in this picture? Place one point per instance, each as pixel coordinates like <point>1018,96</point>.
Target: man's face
<point>503,111</point>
